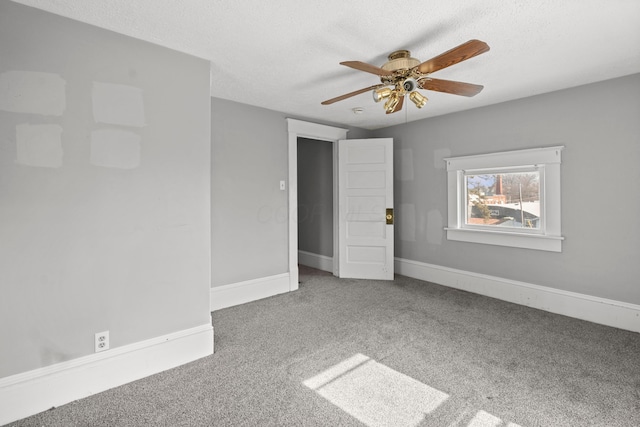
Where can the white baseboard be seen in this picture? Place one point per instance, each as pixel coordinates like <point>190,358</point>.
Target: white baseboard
<point>251,290</point>
<point>31,392</point>
<point>320,262</point>
<point>593,309</point>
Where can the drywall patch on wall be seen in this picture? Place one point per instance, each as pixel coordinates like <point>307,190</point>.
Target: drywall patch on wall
<point>115,148</point>
<point>118,104</point>
<point>39,145</point>
<point>406,220</point>
<point>439,156</point>
<point>435,227</point>
<point>405,171</point>
<point>32,92</point>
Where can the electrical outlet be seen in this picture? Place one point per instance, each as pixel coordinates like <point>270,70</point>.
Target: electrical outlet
<point>102,341</point>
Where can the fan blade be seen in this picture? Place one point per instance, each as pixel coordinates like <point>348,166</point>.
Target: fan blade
<point>449,86</point>
<point>362,66</point>
<point>398,107</point>
<point>451,57</point>
<point>350,94</point>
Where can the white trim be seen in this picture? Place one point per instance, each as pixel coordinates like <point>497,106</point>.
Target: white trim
<point>604,311</point>
<point>296,129</point>
<point>31,392</point>
<point>515,240</point>
<point>336,213</point>
<point>250,290</point>
<point>320,262</point>
<point>504,159</point>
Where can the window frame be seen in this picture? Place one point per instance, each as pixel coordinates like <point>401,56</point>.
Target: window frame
<point>547,160</point>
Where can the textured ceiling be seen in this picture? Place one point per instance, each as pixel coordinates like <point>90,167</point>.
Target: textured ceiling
<point>284,54</point>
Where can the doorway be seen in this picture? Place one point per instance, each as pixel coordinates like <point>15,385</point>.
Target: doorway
<point>300,129</point>
<point>315,204</point>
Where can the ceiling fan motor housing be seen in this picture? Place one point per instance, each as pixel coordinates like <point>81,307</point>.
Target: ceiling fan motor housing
<point>400,60</point>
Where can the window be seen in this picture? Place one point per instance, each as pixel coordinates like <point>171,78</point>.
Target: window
<point>508,199</point>
<point>503,199</point>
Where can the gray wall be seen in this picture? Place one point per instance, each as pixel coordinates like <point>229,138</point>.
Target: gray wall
<point>599,126</point>
<point>104,194</point>
<point>249,211</point>
<point>315,196</point>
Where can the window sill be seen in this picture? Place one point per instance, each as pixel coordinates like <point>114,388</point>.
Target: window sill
<point>501,238</point>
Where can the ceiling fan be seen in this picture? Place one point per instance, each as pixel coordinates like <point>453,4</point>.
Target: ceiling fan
<point>402,74</point>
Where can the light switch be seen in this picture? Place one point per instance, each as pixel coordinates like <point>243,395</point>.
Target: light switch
<point>282,186</point>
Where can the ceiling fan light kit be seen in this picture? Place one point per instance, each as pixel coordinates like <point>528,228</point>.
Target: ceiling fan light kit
<point>392,102</point>
<point>382,93</point>
<point>402,75</point>
<point>418,99</point>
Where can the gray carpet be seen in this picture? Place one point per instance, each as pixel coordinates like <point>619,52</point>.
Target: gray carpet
<point>403,353</point>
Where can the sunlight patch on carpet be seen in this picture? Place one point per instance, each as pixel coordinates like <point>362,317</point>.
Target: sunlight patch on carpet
<point>485,419</point>
<point>376,394</point>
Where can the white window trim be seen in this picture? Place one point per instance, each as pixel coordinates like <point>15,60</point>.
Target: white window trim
<point>548,239</point>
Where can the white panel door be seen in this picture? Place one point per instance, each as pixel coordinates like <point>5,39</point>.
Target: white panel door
<point>365,192</point>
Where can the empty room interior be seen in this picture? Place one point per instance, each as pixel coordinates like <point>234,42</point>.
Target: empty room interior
<point>325,213</point>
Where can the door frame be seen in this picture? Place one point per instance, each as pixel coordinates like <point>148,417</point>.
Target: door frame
<point>299,128</point>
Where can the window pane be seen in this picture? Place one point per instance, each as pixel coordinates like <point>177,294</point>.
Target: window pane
<point>503,199</point>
